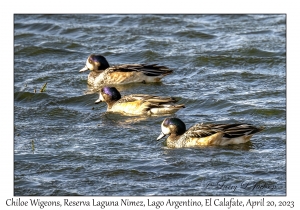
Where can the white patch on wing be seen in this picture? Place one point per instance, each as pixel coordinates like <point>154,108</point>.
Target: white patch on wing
<point>166,110</point>
<point>237,140</point>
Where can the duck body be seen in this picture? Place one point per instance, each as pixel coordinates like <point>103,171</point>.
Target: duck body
<point>102,73</point>
<point>206,134</point>
<point>137,104</point>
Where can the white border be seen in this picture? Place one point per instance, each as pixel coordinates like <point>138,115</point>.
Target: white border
<point>8,9</point>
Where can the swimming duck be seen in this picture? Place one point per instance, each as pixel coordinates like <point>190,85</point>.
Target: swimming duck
<point>102,73</point>
<point>137,104</point>
<point>205,134</point>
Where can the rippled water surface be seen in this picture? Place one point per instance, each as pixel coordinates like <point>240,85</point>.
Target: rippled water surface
<point>227,68</point>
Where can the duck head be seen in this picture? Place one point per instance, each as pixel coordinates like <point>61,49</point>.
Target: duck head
<point>95,63</point>
<point>108,95</point>
<point>172,126</point>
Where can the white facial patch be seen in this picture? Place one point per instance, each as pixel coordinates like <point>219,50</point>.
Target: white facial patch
<point>164,129</point>
<point>89,65</point>
<point>101,97</point>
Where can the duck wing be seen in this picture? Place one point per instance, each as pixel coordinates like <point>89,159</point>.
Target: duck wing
<point>238,129</point>
<point>157,100</point>
<point>134,97</point>
<point>151,104</point>
<point>228,130</point>
<point>147,69</point>
<point>160,100</point>
<point>201,130</point>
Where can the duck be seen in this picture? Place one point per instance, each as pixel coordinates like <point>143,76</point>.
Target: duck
<point>137,104</point>
<point>104,74</point>
<point>205,134</point>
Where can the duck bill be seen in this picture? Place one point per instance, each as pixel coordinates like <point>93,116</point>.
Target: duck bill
<point>84,69</point>
<point>162,135</point>
<point>98,101</point>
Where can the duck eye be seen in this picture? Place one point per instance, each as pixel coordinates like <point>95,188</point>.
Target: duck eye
<point>90,61</point>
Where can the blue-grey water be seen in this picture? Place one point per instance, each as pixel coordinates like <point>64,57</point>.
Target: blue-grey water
<point>227,68</point>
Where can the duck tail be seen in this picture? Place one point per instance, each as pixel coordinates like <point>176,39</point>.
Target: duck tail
<point>155,70</point>
<point>261,128</point>
<point>236,130</point>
